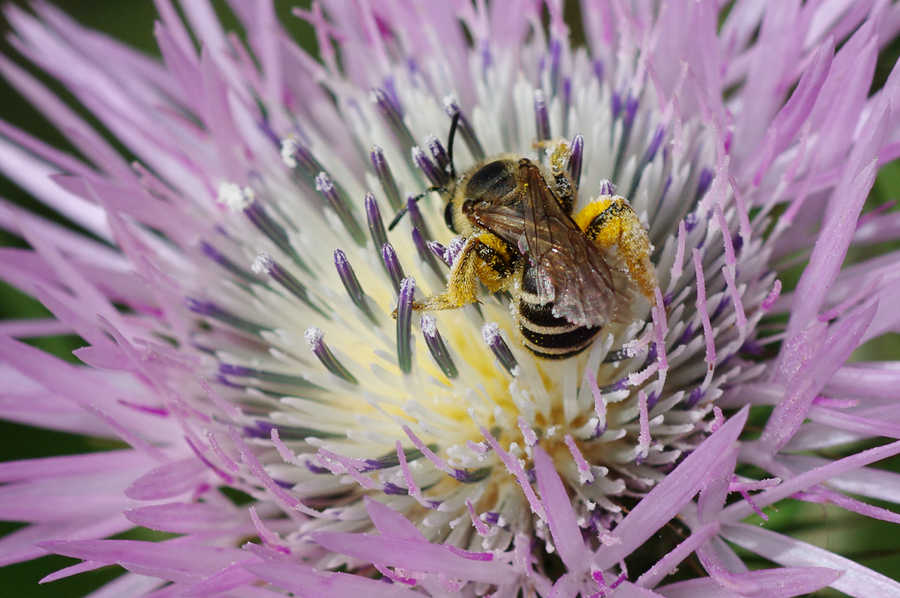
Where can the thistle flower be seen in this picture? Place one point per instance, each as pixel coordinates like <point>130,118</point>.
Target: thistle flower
<point>235,285</point>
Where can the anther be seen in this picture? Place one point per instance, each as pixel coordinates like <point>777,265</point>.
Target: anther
<point>383,170</point>
<point>392,263</point>
<point>465,129</point>
<point>491,334</point>
<point>393,118</point>
<point>436,346</point>
<point>263,264</point>
<point>404,324</point>
<point>315,338</point>
<point>337,201</point>
<point>351,284</point>
<point>376,225</point>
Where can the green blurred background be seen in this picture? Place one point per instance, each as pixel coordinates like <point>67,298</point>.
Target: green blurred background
<point>871,543</point>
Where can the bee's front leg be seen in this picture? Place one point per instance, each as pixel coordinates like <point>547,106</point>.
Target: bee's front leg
<point>610,221</point>
<point>484,258</point>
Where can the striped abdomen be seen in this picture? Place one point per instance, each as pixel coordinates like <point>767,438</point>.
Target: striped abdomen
<point>544,334</point>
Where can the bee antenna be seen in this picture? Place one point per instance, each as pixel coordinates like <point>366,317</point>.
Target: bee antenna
<point>415,199</point>
<point>453,126</point>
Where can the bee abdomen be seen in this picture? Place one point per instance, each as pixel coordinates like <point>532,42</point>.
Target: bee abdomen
<point>549,336</point>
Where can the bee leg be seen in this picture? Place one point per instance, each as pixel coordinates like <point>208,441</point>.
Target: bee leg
<point>559,161</point>
<point>484,258</point>
<point>610,221</point>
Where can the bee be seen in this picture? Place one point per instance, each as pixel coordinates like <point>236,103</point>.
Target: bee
<point>520,236</point>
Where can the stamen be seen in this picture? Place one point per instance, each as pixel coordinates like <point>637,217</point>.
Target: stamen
<point>491,334</point>
<point>229,369</point>
<point>213,253</point>
<point>453,250</point>
<point>351,284</point>
<point>337,200</point>
<point>576,159</point>
<point>392,263</point>
<point>606,187</point>
<point>436,346</point>
<point>404,324</point>
<point>213,311</point>
<point>542,119</point>
<point>265,264</point>
<point>436,176</point>
<point>383,170</point>
<point>393,118</point>
<point>440,155</point>
<point>234,198</point>
<point>425,253</point>
<point>261,220</point>
<point>415,216</point>
<point>465,129</point>
<point>315,338</point>
<point>376,225</point>
<point>300,159</point>
<point>439,251</point>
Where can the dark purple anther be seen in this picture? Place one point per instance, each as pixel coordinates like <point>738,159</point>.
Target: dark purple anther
<point>392,264</point>
<point>615,102</point>
<point>213,311</point>
<point>691,220</point>
<point>456,246</point>
<point>441,158</point>
<point>436,346</point>
<point>464,128</point>
<point>337,201</point>
<point>694,398</point>
<point>376,225</point>
<point>598,70</point>
<point>415,216</point>
<point>542,119</point>
<point>607,187</point>
<point>575,160</point>
<point>555,57</point>
<point>261,220</point>
<point>266,265</point>
<point>438,250</point>
<point>425,253</point>
<point>436,176</point>
<point>386,177</point>
<point>393,118</point>
<point>213,253</point>
<point>404,324</point>
<point>351,284</point>
<point>491,334</point>
<point>658,136</point>
<point>703,182</point>
<point>315,339</point>
<point>631,106</point>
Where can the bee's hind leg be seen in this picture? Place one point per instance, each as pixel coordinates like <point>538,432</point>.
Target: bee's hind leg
<point>610,221</point>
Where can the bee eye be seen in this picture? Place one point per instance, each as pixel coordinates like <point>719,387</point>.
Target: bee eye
<point>448,217</point>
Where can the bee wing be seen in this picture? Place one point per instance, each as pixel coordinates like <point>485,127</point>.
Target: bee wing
<point>569,267</point>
